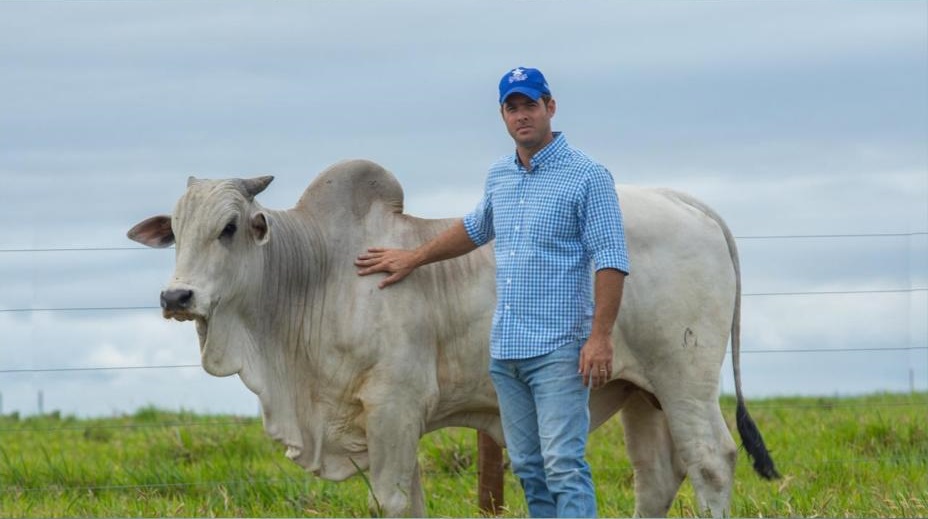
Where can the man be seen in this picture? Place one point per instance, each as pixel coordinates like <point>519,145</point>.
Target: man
<point>554,213</point>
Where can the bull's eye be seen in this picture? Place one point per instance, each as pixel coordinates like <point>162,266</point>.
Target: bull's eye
<point>228,231</point>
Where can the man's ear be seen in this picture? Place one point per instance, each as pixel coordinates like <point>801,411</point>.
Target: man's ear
<point>261,227</point>
<point>153,232</point>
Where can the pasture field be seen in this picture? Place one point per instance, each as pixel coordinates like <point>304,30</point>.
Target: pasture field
<point>840,457</point>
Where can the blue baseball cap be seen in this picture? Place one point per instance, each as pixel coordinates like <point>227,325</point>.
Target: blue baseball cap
<point>523,80</point>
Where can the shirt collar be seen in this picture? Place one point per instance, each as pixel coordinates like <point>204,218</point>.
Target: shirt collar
<point>548,153</point>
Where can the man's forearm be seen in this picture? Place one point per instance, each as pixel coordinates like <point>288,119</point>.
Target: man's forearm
<point>609,285</point>
<point>451,243</point>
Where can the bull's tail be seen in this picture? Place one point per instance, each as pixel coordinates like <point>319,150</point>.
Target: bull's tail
<point>754,443</point>
<point>750,435</point>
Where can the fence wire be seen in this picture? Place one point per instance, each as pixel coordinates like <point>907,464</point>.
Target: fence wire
<point>466,472</point>
<point>823,404</point>
<point>189,366</point>
<point>748,237</point>
<point>746,294</point>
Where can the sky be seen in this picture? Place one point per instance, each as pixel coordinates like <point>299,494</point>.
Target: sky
<point>803,123</point>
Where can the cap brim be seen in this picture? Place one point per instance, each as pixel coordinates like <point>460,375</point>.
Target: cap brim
<point>530,92</point>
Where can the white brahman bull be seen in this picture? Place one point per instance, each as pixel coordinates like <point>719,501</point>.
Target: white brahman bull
<point>351,377</point>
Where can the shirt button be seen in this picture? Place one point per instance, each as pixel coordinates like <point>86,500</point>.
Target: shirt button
<point>513,253</point>
<point>521,200</point>
<point>508,280</point>
<point>517,227</point>
<point>507,307</point>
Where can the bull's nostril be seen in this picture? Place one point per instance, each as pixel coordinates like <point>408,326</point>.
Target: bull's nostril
<point>176,299</point>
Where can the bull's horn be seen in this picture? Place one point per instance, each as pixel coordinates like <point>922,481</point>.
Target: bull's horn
<point>191,180</point>
<point>253,186</point>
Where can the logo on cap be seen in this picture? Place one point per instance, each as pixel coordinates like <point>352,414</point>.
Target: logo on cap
<point>517,75</point>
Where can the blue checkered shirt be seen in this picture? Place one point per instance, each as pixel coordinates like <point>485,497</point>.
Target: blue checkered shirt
<point>553,224</point>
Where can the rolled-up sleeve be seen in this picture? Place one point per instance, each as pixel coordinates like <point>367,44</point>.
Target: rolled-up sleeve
<point>479,223</point>
<point>603,230</point>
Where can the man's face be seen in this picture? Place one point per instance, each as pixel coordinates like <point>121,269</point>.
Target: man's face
<point>528,121</point>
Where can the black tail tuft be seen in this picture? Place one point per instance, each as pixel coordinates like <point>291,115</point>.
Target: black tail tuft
<point>754,444</point>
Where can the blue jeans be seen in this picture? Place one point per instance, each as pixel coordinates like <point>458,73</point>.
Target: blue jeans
<point>546,420</point>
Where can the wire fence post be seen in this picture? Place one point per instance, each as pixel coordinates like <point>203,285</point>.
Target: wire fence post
<point>489,475</point>
<point>41,403</point>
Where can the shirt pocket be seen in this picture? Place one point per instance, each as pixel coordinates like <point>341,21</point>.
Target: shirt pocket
<point>552,223</point>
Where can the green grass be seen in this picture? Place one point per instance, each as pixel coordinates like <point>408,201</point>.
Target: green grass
<point>863,457</point>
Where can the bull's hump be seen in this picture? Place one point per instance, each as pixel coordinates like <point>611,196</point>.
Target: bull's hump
<point>354,186</point>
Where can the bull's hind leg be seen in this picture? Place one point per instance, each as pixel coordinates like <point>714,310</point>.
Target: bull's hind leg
<point>658,473</point>
<point>706,449</point>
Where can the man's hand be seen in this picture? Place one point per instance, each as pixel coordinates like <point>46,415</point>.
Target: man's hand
<point>396,262</point>
<point>596,354</point>
<point>596,361</point>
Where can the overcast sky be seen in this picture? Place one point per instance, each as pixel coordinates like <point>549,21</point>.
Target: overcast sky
<point>789,118</point>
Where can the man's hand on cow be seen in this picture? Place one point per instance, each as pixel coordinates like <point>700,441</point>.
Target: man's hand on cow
<point>396,262</point>
<point>596,361</point>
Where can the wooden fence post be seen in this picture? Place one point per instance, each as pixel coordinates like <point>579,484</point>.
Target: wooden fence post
<point>489,475</point>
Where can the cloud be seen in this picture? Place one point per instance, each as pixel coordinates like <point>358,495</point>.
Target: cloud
<point>110,340</point>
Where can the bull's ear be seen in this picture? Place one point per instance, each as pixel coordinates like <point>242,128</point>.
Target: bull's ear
<point>261,227</point>
<point>153,232</point>
<point>253,186</point>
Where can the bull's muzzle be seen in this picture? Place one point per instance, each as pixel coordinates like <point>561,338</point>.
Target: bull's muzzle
<point>178,300</point>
